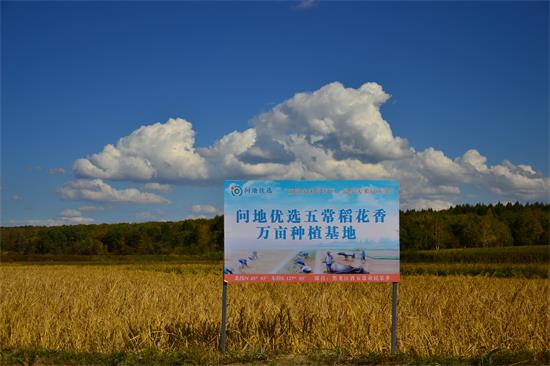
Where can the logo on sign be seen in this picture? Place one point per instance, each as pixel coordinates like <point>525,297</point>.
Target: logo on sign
<point>236,190</point>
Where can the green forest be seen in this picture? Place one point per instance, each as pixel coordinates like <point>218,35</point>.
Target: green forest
<point>458,227</point>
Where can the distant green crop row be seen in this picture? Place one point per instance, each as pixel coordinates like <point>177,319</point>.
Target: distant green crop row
<point>520,262</point>
<point>519,254</point>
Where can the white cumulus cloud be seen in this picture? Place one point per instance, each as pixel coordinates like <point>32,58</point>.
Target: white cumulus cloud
<point>163,151</point>
<point>331,133</point>
<point>70,213</point>
<point>65,217</point>
<point>205,209</point>
<point>98,190</point>
<point>72,216</point>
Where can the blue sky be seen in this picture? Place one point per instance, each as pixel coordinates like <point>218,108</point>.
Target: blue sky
<point>77,76</point>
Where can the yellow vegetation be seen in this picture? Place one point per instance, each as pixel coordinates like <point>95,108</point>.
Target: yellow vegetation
<point>129,309</point>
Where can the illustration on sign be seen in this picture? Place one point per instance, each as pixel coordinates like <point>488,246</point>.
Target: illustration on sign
<point>311,231</point>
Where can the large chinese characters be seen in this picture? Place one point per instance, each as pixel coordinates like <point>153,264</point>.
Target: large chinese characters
<point>299,224</point>
<point>311,230</point>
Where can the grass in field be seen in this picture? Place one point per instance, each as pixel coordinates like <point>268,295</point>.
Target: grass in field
<point>522,270</point>
<point>502,270</point>
<point>521,262</point>
<point>120,309</point>
<point>518,254</point>
<point>171,314</point>
<point>199,357</point>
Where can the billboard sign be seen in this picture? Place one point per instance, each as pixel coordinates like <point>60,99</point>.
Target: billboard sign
<point>311,231</point>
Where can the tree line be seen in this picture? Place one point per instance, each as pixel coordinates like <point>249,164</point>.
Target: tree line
<point>477,225</point>
<point>461,226</point>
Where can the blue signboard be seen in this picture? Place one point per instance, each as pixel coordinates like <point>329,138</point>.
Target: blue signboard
<point>311,231</point>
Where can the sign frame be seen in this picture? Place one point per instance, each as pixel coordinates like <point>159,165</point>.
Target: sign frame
<point>235,189</point>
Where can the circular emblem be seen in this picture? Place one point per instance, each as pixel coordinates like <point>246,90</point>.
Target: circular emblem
<point>236,190</point>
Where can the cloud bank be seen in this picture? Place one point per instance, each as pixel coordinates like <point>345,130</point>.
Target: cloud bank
<point>65,217</point>
<point>332,133</point>
<point>206,209</point>
<point>99,191</point>
<point>72,216</point>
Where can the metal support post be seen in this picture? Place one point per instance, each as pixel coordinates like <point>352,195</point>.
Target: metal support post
<point>394,319</point>
<point>223,336</point>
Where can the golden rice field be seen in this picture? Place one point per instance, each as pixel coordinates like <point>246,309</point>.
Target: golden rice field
<point>177,308</point>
